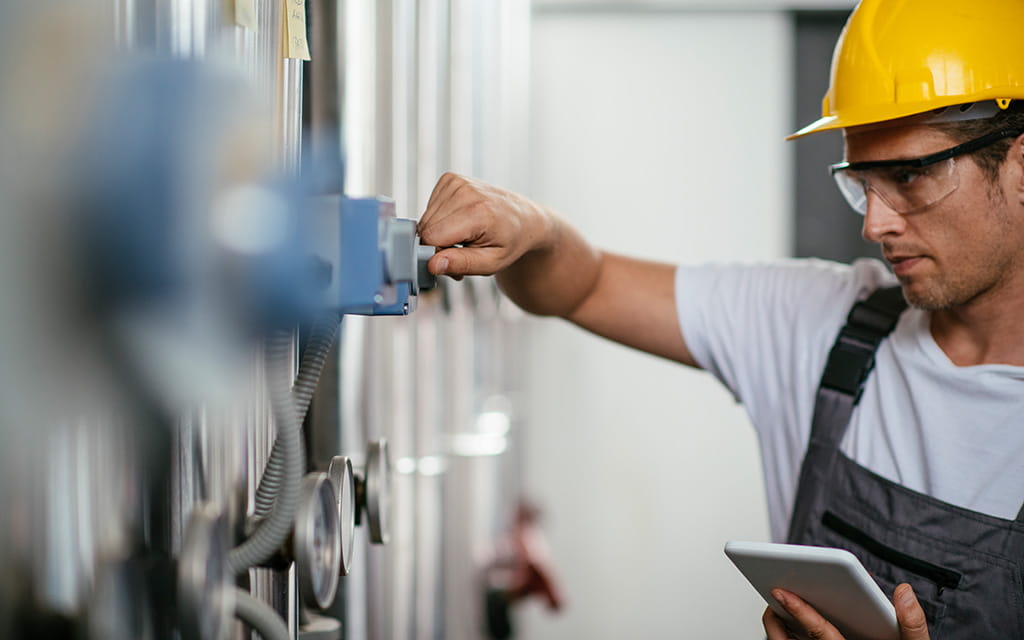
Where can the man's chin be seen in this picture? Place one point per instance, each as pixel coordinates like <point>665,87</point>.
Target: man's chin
<point>920,296</point>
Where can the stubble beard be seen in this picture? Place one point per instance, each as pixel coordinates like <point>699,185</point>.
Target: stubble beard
<point>952,290</point>
<point>938,297</point>
<point>975,274</point>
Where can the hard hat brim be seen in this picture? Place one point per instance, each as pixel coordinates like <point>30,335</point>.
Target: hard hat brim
<point>998,99</point>
<point>821,124</point>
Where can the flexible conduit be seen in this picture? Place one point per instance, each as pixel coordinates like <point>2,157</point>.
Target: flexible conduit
<point>311,366</point>
<point>258,615</point>
<point>274,529</point>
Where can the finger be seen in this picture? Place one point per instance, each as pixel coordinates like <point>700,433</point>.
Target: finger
<point>442,196</point>
<point>774,628</point>
<point>816,627</point>
<point>441,187</point>
<point>467,261</point>
<point>909,614</point>
<point>443,184</point>
<point>455,226</point>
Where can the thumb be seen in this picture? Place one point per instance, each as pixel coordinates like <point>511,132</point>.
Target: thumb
<point>466,261</point>
<point>909,614</point>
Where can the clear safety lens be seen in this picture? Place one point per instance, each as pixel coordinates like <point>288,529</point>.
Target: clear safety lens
<point>903,188</point>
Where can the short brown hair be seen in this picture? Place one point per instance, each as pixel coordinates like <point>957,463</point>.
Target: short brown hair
<point>991,158</point>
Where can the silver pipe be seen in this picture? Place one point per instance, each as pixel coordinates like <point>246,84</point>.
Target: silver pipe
<point>433,127</point>
<point>359,96</point>
<point>326,86</point>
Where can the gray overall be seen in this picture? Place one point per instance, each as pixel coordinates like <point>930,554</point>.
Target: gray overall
<point>965,566</point>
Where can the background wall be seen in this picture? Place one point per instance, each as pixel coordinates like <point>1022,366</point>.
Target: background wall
<point>660,134</point>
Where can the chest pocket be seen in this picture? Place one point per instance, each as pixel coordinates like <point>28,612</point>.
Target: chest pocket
<point>982,597</point>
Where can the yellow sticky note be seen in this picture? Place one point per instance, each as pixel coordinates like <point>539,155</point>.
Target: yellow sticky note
<point>295,19</point>
<point>245,13</point>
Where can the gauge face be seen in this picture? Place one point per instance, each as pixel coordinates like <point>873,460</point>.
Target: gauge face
<point>340,473</point>
<point>317,542</point>
<point>325,547</point>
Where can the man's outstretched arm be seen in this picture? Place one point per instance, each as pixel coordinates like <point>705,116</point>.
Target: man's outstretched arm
<point>546,267</point>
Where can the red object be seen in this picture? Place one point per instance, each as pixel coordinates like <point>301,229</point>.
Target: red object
<point>532,569</point>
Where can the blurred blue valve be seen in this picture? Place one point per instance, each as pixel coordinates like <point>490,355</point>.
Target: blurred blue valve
<point>377,266</point>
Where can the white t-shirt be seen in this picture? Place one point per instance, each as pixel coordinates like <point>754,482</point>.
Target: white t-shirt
<point>954,433</point>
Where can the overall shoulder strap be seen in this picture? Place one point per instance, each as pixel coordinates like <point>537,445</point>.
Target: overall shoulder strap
<point>851,360</point>
<point>849,363</point>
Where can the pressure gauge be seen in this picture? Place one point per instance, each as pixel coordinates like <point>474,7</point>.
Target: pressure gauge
<point>205,589</point>
<point>340,473</point>
<point>316,543</point>
<point>373,492</point>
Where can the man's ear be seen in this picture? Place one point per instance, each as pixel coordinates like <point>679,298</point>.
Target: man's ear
<point>1016,157</point>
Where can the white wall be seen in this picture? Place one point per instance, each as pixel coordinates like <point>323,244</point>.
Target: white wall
<point>659,134</point>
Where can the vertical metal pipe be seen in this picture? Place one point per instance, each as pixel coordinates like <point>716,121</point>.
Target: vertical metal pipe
<point>291,114</point>
<point>461,85</point>
<point>359,98</point>
<point>362,124</point>
<point>384,105</point>
<point>433,134</point>
<point>398,392</point>
<point>429,466</point>
<point>326,87</point>
<point>433,128</point>
<point>354,400</point>
<point>124,19</point>
<point>397,372</point>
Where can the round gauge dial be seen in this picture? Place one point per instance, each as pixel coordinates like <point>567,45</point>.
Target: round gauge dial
<point>317,541</point>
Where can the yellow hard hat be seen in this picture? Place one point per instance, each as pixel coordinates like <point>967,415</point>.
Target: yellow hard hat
<point>897,58</point>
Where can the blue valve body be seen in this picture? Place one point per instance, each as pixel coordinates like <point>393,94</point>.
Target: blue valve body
<point>362,282</point>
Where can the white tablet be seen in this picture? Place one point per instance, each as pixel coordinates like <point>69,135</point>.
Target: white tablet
<point>831,580</point>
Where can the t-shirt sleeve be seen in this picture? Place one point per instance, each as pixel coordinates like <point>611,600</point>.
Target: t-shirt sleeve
<point>764,330</point>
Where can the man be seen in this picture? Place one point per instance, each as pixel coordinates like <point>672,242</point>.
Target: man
<point>902,439</point>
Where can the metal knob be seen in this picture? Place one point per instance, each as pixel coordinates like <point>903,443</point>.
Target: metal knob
<point>425,281</point>
<point>316,542</point>
<point>373,492</point>
<point>340,473</point>
<point>205,589</point>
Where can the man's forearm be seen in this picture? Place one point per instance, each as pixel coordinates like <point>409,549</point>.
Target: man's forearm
<point>558,276</point>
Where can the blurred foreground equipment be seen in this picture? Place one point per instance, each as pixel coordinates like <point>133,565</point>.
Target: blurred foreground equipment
<point>192,419</point>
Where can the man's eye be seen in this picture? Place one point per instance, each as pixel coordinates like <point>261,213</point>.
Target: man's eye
<point>905,175</point>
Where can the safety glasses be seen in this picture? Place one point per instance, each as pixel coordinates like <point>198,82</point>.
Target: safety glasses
<point>907,186</point>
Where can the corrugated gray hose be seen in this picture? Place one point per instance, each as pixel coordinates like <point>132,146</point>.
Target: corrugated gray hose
<point>321,338</point>
<point>258,615</point>
<point>273,530</point>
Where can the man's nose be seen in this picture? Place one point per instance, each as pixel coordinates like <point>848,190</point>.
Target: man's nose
<point>880,219</point>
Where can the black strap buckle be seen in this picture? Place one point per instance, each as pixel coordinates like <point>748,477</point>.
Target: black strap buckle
<point>853,355</point>
<point>849,363</point>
